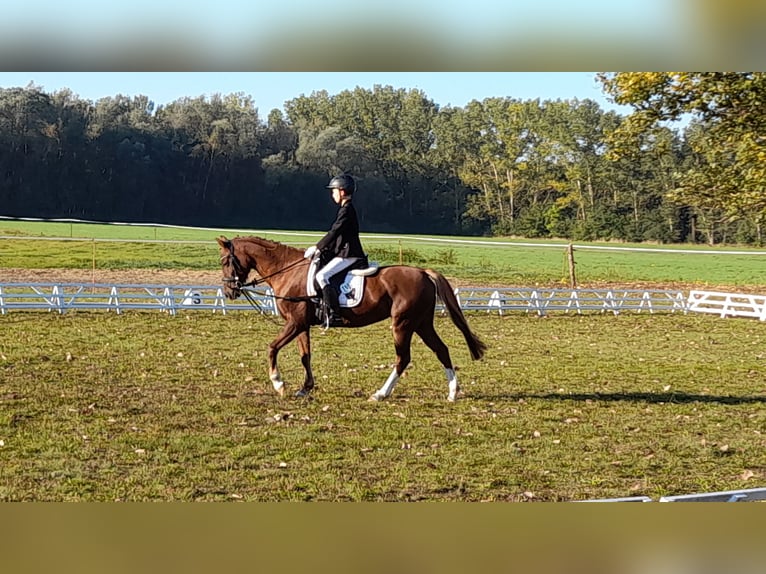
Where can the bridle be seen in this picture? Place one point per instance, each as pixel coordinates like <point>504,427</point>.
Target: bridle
<point>238,271</point>
<point>239,275</point>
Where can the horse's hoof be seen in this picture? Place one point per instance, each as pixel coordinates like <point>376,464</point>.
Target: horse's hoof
<point>302,393</point>
<point>281,392</point>
<point>375,398</point>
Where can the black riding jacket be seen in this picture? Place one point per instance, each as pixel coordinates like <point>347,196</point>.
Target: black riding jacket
<point>343,238</point>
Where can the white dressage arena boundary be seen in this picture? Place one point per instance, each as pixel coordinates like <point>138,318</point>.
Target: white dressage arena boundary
<point>728,304</point>
<point>63,297</point>
<point>746,495</point>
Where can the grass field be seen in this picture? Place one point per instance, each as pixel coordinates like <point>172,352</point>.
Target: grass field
<point>143,406</point>
<point>479,260</point>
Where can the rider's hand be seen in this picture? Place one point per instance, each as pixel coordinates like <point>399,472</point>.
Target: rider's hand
<point>310,252</point>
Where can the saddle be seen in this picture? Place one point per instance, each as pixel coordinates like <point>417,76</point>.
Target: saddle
<point>349,283</point>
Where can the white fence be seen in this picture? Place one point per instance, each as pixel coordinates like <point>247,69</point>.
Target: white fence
<point>749,495</point>
<point>728,304</point>
<point>746,495</point>
<point>63,297</point>
<point>540,301</point>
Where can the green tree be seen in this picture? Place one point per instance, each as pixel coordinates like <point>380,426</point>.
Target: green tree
<point>505,133</point>
<point>727,181</point>
<point>27,137</point>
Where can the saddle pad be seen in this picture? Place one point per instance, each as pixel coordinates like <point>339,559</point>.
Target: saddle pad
<point>351,289</point>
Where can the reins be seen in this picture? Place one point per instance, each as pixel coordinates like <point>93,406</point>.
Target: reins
<point>259,280</point>
<point>263,279</point>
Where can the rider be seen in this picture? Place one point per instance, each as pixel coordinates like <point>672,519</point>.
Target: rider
<point>341,245</point>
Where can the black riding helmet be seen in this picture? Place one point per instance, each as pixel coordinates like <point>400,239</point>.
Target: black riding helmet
<point>345,182</point>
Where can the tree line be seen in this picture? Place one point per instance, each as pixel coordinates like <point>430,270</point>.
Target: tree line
<point>500,166</point>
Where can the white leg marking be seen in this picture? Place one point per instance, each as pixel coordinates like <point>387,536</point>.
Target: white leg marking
<point>279,384</point>
<point>454,387</point>
<point>387,388</point>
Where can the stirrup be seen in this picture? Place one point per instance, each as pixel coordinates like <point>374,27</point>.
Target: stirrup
<point>332,321</point>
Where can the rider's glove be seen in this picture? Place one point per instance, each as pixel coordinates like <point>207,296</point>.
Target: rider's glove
<point>310,252</point>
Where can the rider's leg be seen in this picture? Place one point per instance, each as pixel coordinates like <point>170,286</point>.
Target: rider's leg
<point>332,305</point>
<point>329,294</point>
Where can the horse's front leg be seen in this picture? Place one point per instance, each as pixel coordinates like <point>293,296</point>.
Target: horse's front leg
<point>304,346</point>
<point>288,333</point>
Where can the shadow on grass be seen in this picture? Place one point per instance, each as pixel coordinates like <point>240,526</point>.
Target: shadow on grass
<point>655,398</point>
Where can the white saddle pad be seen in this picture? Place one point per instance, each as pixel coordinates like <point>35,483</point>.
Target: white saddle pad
<point>352,288</point>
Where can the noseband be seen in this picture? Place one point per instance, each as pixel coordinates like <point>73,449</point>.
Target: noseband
<point>236,279</point>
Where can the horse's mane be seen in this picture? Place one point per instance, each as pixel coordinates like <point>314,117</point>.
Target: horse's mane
<point>281,249</point>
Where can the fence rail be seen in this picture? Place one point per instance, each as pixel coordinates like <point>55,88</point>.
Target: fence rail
<point>728,304</point>
<point>63,297</point>
<point>743,495</point>
<point>541,301</point>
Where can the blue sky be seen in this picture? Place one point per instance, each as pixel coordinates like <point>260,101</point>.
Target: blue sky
<point>230,23</point>
<point>271,89</point>
<point>288,35</point>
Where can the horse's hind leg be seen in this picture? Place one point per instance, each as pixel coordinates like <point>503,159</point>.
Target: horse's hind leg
<point>433,341</point>
<point>402,342</point>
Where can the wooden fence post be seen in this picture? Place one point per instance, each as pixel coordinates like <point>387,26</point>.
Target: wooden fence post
<point>571,262</point>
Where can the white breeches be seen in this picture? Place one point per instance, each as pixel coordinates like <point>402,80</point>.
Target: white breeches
<point>335,265</point>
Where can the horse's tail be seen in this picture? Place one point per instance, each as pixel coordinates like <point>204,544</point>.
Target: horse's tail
<point>447,295</point>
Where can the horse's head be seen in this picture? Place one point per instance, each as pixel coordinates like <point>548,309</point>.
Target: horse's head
<point>234,272</point>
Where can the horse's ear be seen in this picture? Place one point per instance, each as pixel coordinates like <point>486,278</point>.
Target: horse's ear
<point>223,242</point>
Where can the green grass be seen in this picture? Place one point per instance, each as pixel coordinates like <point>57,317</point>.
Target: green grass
<point>144,406</point>
<point>490,261</point>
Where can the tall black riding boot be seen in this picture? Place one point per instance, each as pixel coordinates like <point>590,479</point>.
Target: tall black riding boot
<point>331,306</point>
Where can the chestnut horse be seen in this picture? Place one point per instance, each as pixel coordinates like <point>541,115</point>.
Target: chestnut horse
<point>404,293</point>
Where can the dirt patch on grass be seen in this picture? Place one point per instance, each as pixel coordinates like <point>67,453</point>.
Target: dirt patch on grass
<point>111,276</point>
<point>201,277</point>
